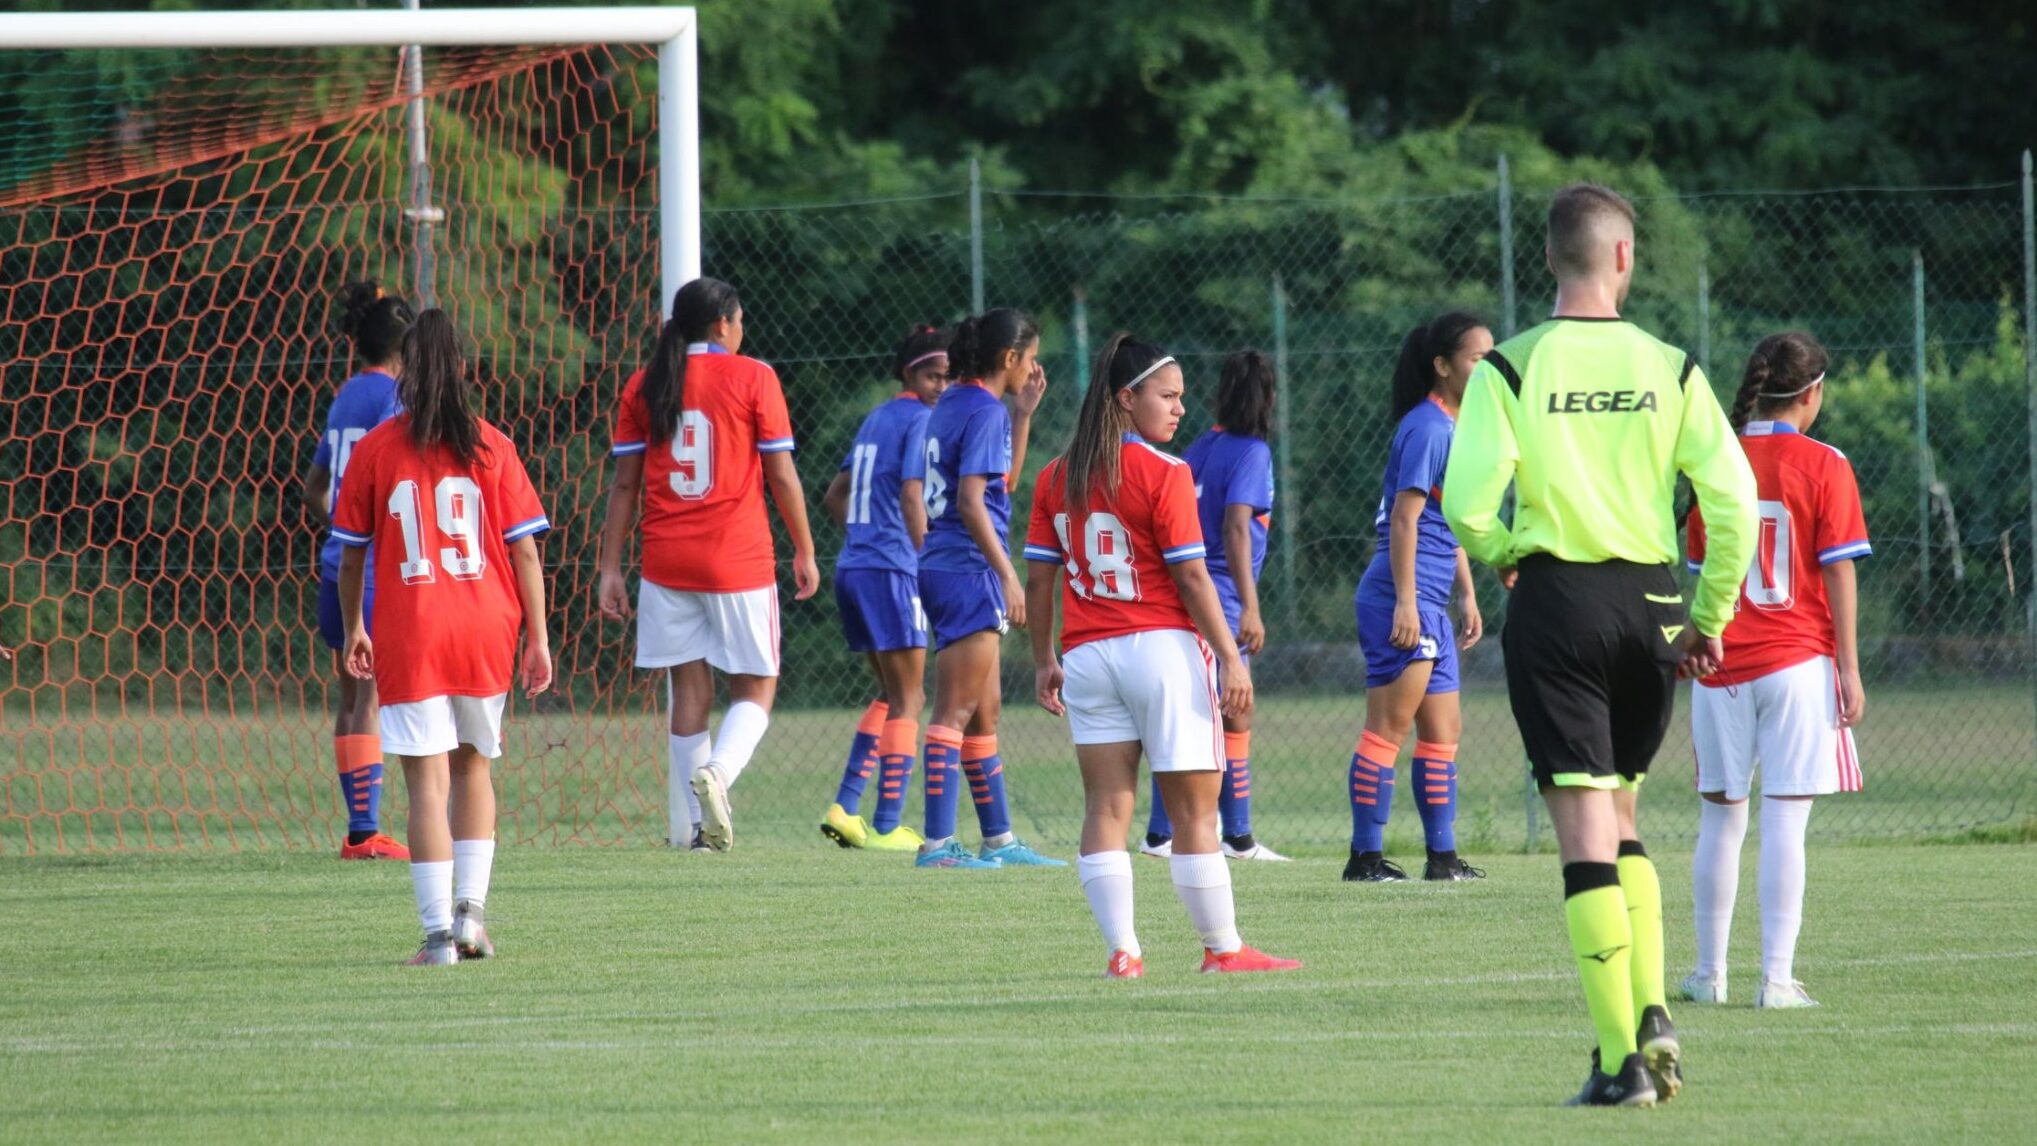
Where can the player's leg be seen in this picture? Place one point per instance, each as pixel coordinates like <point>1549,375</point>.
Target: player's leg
<point>1439,724</point>
<point>1390,708</point>
<point>420,734</point>
<point>1722,729</point>
<point>1159,841</point>
<point>472,813</point>
<point>983,767</point>
<point>1110,782</point>
<point>840,822</point>
<point>1804,754</point>
<point>902,673</point>
<point>960,669</point>
<point>690,688</point>
<point>743,644</point>
<point>356,740</point>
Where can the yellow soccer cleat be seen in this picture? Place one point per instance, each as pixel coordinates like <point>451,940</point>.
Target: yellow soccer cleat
<point>898,839</point>
<point>847,830</point>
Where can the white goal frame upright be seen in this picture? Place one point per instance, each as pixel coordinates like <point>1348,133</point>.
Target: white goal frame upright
<point>673,30</point>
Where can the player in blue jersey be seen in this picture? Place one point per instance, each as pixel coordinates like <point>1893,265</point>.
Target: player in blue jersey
<point>1233,470</point>
<point>1403,605</point>
<point>879,502</point>
<point>375,323</point>
<point>975,450</point>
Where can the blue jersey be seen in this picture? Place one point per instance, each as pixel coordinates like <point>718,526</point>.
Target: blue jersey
<point>1420,453</point>
<point>1231,469</point>
<point>890,450</point>
<point>365,401</point>
<point>968,433</point>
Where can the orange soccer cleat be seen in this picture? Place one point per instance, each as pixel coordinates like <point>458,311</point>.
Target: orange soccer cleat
<point>1244,959</point>
<point>375,847</point>
<point>1125,965</point>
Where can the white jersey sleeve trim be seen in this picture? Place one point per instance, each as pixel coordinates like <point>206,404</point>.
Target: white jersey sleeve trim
<point>1042,553</point>
<point>621,449</point>
<point>523,529</point>
<point>357,540</point>
<point>1845,552</point>
<point>1180,553</point>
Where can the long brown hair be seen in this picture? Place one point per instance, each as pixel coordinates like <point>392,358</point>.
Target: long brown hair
<point>435,390</point>
<point>1093,453</point>
<point>695,309</point>
<point>1781,367</point>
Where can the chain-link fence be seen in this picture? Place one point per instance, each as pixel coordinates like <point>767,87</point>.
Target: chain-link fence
<point>1922,295</point>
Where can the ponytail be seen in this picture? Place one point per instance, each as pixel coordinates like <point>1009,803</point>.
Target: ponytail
<point>981,340</point>
<point>1781,368</point>
<point>1414,375</point>
<point>435,390</point>
<point>695,309</point>
<point>1093,453</point>
<point>1245,394</point>
<point>373,320</point>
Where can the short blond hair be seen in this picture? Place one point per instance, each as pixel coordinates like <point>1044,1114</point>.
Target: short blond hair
<point>1575,218</point>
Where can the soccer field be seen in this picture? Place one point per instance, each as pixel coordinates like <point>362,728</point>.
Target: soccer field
<point>799,993</point>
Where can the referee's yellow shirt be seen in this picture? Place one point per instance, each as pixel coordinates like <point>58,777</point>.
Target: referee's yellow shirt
<point>1592,419</point>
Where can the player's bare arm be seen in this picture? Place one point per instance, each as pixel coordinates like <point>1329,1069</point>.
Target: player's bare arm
<point>1473,621</point>
<point>537,640</point>
<point>1199,594</point>
<point>623,490</point>
<point>976,518</point>
<point>781,476</point>
<point>1842,590</point>
<point>1024,401</point>
<point>912,506</point>
<point>359,654</point>
<point>318,492</point>
<point>836,499</point>
<point>1403,539</point>
<point>1238,556</point>
<point>1042,582</point>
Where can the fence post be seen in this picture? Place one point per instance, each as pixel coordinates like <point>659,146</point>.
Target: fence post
<point>2030,374</point>
<point>1923,428</point>
<point>1080,320</point>
<point>1506,252</point>
<point>1705,317</point>
<point>420,212</point>
<point>1289,511</point>
<point>975,237</point>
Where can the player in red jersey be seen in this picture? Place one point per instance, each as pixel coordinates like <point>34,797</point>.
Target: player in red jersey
<point>451,513</point>
<point>1121,517</point>
<point>1789,693</point>
<point>701,432</point>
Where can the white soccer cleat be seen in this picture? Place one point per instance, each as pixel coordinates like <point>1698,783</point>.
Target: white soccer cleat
<point>1257,851</point>
<point>1790,996</point>
<point>1162,850</point>
<point>1704,988</point>
<point>717,829</point>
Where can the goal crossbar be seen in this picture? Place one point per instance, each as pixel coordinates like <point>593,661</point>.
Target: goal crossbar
<point>673,30</point>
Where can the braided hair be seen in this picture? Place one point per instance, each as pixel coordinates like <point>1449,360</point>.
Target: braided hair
<point>1781,368</point>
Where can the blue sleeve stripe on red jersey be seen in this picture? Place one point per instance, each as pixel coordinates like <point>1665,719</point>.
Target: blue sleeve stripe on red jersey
<point>1181,553</point>
<point>1693,566</point>
<point>1042,553</point>
<point>622,448</point>
<point>356,540</point>
<point>1845,552</point>
<point>522,529</point>
<point>774,446</point>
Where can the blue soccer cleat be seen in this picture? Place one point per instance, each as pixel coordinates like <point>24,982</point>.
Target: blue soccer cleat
<point>953,854</point>
<point>1017,854</point>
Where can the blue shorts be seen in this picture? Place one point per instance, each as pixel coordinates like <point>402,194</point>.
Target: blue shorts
<point>880,610</point>
<point>961,604</point>
<point>1384,663</point>
<point>331,625</point>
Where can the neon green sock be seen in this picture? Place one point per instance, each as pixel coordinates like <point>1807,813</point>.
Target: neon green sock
<point>1601,937</point>
<point>1643,891</point>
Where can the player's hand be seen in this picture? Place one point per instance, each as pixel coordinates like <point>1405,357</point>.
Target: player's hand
<point>1698,656</point>
<point>6,654</point>
<point>614,597</point>
<point>1047,688</point>
<point>1027,398</point>
<point>805,577</point>
<point>1852,698</point>
<point>1472,626</point>
<point>1508,574</point>
<point>537,668</point>
<point>360,655</point>
<point>1014,601</point>
<point>1251,632</point>
<point>1407,626</point>
<point>1235,686</point>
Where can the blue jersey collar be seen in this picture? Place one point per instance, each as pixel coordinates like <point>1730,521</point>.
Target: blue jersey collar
<point>1132,436</point>
<point>1764,429</point>
<point>706,348</point>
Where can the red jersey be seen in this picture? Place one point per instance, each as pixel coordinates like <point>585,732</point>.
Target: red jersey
<point>446,607</point>
<point>1117,554</point>
<point>705,530</point>
<point>1810,517</point>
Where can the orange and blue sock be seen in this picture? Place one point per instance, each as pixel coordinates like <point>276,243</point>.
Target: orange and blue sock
<point>360,780</point>
<point>1234,801</point>
<point>1371,791</point>
<point>862,757</point>
<point>986,784</point>
<point>1158,825</point>
<point>895,747</point>
<point>1436,794</point>
<point>942,766</point>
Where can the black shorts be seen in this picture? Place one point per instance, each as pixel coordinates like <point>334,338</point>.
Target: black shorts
<point>1590,667</point>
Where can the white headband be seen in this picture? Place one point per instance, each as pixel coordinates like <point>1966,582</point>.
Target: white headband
<point>1147,372</point>
<point>1792,393</point>
<point>922,358</point>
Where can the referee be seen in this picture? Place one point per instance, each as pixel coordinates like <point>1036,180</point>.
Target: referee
<point>1592,418</point>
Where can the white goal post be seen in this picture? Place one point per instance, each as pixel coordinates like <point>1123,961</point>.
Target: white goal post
<point>673,30</point>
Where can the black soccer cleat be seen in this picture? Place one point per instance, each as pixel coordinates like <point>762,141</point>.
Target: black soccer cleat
<point>1449,867</point>
<point>1371,867</point>
<point>1660,1052</point>
<point>1630,1087</point>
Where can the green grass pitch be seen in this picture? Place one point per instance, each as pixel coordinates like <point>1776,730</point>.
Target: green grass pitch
<point>790,992</point>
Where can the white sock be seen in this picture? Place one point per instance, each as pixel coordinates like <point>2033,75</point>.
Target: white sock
<point>473,860</point>
<point>1107,884</point>
<point>741,730</point>
<point>433,883</point>
<point>683,754</point>
<point>1204,884</point>
<point>1715,880</point>
<point>1783,823</point>
<point>1005,839</point>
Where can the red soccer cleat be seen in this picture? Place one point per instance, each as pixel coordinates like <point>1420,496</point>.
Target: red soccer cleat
<point>375,847</point>
<point>1244,959</point>
<point>1125,965</point>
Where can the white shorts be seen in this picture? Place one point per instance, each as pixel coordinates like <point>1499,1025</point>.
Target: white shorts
<point>1786,722</point>
<point>1158,688</point>
<point>734,632</point>
<point>443,723</point>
